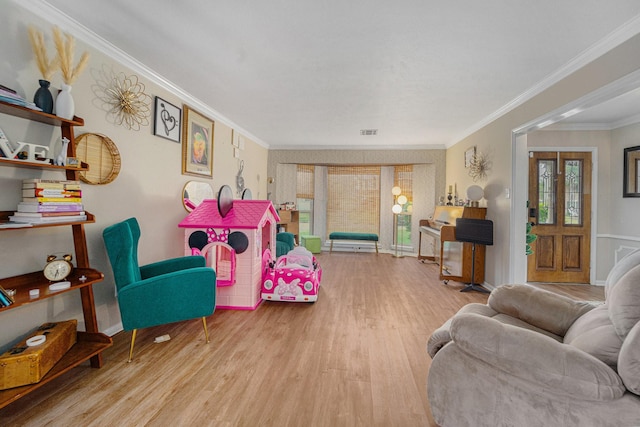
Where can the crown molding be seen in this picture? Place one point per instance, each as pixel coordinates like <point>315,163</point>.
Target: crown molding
<point>358,148</point>
<point>594,126</point>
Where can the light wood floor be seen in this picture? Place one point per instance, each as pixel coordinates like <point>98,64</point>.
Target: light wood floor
<point>356,357</point>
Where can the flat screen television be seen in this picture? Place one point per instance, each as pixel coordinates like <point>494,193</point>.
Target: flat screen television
<point>479,231</point>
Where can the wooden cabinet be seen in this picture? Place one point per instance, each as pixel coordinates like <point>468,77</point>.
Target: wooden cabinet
<point>456,257</point>
<point>289,220</point>
<point>91,342</point>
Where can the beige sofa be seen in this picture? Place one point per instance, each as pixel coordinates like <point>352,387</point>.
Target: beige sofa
<point>533,358</point>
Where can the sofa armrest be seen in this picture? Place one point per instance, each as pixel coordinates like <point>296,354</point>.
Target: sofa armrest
<point>538,307</point>
<point>172,297</point>
<point>535,358</point>
<point>171,265</point>
<point>441,336</point>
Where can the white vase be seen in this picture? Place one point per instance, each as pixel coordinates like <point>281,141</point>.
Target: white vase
<point>65,106</point>
<point>61,160</point>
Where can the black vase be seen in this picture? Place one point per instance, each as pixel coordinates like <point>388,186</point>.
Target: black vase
<point>43,98</point>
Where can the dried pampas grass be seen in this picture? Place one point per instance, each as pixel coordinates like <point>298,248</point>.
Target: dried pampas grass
<point>46,67</point>
<point>65,47</point>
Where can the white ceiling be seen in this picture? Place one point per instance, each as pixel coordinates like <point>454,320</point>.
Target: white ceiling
<point>313,73</point>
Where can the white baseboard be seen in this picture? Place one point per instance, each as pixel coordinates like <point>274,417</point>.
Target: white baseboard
<point>111,331</point>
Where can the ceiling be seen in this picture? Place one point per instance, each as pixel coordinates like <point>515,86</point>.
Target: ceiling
<point>314,73</point>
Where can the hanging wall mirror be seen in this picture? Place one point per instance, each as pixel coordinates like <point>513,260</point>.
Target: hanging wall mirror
<point>194,192</point>
<point>631,178</point>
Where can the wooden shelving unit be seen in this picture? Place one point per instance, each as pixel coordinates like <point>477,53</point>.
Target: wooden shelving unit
<point>88,345</point>
<point>91,343</point>
<point>290,220</point>
<point>32,165</point>
<point>4,219</point>
<point>79,278</point>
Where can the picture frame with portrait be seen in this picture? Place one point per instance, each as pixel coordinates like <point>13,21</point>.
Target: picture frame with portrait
<point>197,143</point>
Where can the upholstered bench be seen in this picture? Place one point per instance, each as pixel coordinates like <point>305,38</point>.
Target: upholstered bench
<point>341,235</point>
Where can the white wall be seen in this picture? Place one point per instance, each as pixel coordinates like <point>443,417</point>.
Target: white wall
<point>623,230</point>
<point>149,186</point>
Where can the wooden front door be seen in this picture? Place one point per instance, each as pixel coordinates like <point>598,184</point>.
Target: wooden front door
<point>560,211</point>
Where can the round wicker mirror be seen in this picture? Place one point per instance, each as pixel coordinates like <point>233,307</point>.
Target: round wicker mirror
<point>101,154</point>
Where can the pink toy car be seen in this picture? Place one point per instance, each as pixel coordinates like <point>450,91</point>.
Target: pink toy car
<point>293,277</point>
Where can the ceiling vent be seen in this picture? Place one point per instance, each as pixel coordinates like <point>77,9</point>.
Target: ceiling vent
<point>368,132</point>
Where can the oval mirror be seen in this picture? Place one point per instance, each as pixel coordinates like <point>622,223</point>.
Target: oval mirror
<point>194,192</point>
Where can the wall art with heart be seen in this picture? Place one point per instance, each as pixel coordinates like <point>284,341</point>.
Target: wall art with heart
<point>167,120</point>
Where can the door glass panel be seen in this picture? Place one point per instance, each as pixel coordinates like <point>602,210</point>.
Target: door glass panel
<point>573,192</point>
<point>546,191</point>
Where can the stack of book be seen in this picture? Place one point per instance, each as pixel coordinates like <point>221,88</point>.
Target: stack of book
<point>10,96</point>
<point>47,201</point>
<point>5,299</point>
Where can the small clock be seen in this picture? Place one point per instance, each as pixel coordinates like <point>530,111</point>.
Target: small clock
<point>57,269</point>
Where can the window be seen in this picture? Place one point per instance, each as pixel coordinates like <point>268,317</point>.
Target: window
<point>546,192</point>
<point>304,198</point>
<point>403,178</point>
<point>573,192</point>
<point>353,199</point>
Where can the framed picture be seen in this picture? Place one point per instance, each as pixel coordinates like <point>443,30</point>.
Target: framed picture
<point>469,155</point>
<point>197,143</point>
<point>237,140</point>
<point>167,121</point>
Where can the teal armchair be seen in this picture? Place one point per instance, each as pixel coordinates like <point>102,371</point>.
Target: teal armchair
<point>284,243</point>
<point>156,294</point>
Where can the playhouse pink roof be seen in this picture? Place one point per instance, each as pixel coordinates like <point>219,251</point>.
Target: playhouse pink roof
<point>244,214</point>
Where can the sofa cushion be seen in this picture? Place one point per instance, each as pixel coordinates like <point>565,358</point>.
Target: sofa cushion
<point>624,302</point>
<point>629,361</point>
<point>593,333</point>
<point>620,269</point>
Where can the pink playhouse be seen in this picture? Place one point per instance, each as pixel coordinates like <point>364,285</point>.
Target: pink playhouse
<point>233,244</point>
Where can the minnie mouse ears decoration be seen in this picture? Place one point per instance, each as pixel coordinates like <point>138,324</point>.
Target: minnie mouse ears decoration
<point>238,241</point>
<point>198,239</point>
